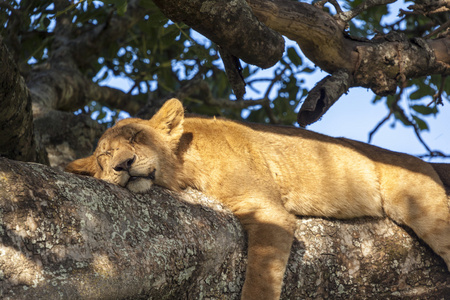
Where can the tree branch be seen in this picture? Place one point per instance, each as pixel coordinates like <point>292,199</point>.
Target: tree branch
<point>76,237</point>
<point>231,25</point>
<point>233,70</point>
<point>323,96</point>
<point>317,33</point>
<point>59,86</point>
<point>113,97</point>
<point>375,64</point>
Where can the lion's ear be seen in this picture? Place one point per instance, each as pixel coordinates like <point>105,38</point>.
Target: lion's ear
<point>169,119</point>
<point>83,166</point>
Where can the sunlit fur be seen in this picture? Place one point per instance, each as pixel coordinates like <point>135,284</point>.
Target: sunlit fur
<point>268,174</point>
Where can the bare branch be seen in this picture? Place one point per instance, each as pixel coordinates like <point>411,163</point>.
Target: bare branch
<point>440,29</point>
<point>378,126</point>
<point>437,98</point>
<point>434,154</point>
<point>323,96</point>
<point>427,7</point>
<point>233,69</point>
<point>332,2</point>
<point>395,108</point>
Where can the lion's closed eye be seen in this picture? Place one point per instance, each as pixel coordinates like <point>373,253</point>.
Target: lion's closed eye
<point>102,159</point>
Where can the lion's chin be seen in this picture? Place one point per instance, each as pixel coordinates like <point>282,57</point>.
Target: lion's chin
<point>139,184</point>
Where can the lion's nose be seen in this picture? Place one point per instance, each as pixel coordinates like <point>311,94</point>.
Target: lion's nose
<point>125,165</point>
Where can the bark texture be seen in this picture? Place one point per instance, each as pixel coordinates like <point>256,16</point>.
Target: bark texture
<point>69,237</point>
<point>16,120</point>
<point>323,96</point>
<point>64,237</point>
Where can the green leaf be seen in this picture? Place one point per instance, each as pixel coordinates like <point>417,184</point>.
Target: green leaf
<point>422,91</point>
<point>169,35</point>
<point>308,70</point>
<point>121,5</point>
<point>421,123</point>
<point>424,110</point>
<point>376,99</point>
<point>294,57</point>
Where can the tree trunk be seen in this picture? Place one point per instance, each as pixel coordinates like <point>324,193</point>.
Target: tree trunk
<point>70,237</point>
<point>16,120</point>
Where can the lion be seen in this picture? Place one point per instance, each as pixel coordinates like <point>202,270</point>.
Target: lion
<point>267,175</point>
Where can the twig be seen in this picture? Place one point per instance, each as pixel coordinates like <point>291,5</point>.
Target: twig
<point>348,15</point>
<point>391,111</point>
<point>437,98</point>
<point>438,30</point>
<point>419,137</point>
<point>378,126</point>
<point>434,154</point>
<point>273,119</point>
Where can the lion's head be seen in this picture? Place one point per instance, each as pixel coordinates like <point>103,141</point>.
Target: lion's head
<point>137,153</point>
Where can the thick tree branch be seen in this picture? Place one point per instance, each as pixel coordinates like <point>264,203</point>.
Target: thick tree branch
<point>317,33</point>
<point>323,96</point>
<point>379,64</point>
<point>231,25</point>
<point>323,41</point>
<point>64,87</point>
<point>113,97</point>
<point>80,238</point>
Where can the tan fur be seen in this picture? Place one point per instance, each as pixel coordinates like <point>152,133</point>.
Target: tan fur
<point>266,175</point>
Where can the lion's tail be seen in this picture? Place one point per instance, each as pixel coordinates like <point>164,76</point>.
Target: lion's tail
<point>443,171</point>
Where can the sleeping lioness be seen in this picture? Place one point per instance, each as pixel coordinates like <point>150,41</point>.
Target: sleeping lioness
<point>266,175</point>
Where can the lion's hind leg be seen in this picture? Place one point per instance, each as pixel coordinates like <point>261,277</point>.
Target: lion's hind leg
<point>419,200</point>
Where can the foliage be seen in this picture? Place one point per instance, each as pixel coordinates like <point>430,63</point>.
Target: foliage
<point>159,57</point>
